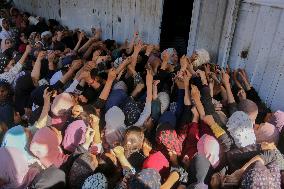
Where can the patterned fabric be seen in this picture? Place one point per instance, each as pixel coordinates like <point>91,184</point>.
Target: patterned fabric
<point>172,52</point>
<point>137,79</point>
<point>277,120</point>
<point>241,129</point>
<point>202,57</point>
<point>81,169</point>
<point>168,141</point>
<point>146,179</point>
<point>11,74</point>
<point>259,176</point>
<point>132,111</point>
<point>164,98</point>
<point>96,181</point>
<point>3,62</point>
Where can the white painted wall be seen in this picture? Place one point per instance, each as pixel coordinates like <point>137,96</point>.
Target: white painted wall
<point>118,18</point>
<point>260,32</point>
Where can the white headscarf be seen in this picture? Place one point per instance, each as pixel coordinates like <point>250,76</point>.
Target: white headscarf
<point>241,129</point>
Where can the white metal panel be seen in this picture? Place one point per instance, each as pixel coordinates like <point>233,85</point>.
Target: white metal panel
<point>260,34</point>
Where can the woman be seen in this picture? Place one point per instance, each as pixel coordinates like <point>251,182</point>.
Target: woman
<point>14,170</point>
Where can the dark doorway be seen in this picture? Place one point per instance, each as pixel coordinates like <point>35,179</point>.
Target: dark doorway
<point>176,25</point>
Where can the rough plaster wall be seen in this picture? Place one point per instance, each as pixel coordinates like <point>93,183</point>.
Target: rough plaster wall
<point>44,8</point>
<point>258,46</point>
<point>118,18</point>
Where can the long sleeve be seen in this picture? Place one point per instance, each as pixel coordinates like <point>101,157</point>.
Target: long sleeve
<point>72,87</point>
<point>12,73</point>
<point>144,115</point>
<point>208,105</point>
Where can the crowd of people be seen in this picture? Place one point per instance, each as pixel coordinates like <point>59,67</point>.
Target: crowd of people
<point>77,111</point>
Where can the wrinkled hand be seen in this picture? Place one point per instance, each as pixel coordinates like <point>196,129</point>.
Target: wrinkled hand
<point>268,146</point>
<point>156,82</point>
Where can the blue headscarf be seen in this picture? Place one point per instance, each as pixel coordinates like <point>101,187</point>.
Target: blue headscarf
<point>16,137</point>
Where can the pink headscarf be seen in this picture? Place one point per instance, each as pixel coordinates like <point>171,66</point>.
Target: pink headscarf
<point>74,135</point>
<point>266,132</point>
<point>210,148</point>
<point>14,169</point>
<point>46,146</point>
<point>277,120</point>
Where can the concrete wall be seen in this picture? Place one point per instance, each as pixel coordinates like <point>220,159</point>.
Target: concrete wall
<point>118,18</point>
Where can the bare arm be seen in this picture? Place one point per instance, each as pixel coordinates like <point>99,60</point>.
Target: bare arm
<point>81,36</point>
<point>227,85</point>
<point>36,69</point>
<point>106,90</point>
<point>42,121</point>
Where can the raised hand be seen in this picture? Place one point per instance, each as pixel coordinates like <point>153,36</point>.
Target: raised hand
<point>195,93</point>
<point>41,55</point>
<point>111,74</point>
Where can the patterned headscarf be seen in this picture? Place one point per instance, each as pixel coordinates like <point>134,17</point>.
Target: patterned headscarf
<point>259,176</point>
<point>241,129</point>
<point>132,111</point>
<point>74,135</point>
<point>146,179</point>
<point>83,167</point>
<point>210,148</point>
<point>277,120</point>
<point>96,181</point>
<point>164,98</point>
<point>168,141</point>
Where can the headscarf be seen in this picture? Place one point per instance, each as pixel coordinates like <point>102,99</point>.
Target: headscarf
<point>51,177</point>
<point>203,57</point>
<point>171,52</point>
<point>74,135</point>
<point>132,111</point>
<point>258,175</point>
<point>16,137</point>
<point>82,167</point>
<point>158,162</point>
<point>241,129</point>
<point>266,132</point>
<point>61,104</point>
<point>115,127</point>
<point>167,140</point>
<point>46,146</point>
<point>277,120</point>
<point>209,147</point>
<point>14,169</point>
<point>164,98</point>
<point>46,34</point>
<point>146,179</point>
<point>96,181</point>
